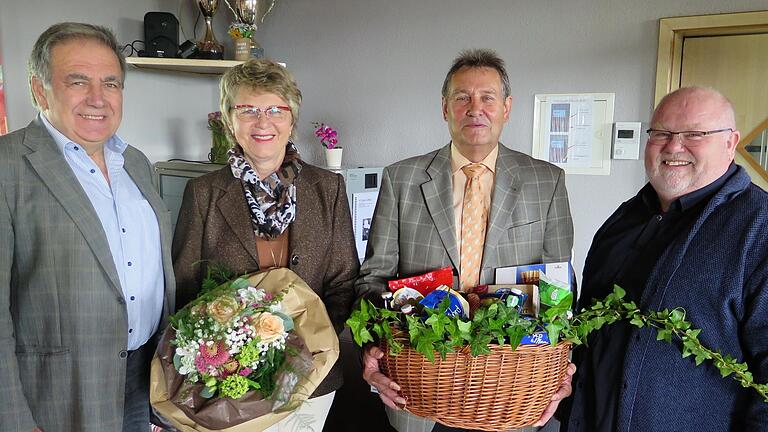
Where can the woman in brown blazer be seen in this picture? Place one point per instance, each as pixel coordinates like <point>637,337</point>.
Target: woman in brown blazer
<point>268,208</point>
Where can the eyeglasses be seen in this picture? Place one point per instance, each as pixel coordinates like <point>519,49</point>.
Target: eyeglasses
<point>252,113</point>
<point>658,136</point>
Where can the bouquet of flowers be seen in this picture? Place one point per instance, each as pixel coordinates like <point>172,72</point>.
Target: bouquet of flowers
<point>238,30</point>
<point>233,340</point>
<point>241,354</point>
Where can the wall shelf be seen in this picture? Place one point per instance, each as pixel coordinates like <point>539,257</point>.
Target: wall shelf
<point>196,66</point>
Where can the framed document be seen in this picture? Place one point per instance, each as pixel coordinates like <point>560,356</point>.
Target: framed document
<point>573,131</point>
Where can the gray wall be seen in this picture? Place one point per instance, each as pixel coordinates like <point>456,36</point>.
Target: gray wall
<point>373,69</point>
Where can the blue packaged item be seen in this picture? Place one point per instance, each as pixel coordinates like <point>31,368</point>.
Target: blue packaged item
<point>538,338</point>
<point>458,306</point>
<point>513,297</point>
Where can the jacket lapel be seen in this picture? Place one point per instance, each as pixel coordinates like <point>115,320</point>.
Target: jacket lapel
<point>49,164</point>
<point>506,193</point>
<point>230,206</point>
<point>300,236</point>
<point>438,197</point>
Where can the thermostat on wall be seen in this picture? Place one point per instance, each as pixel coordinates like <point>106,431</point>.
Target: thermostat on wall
<point>626,140</point>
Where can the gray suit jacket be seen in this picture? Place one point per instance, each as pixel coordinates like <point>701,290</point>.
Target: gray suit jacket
<point>413,228</point>
<point>63,318</point>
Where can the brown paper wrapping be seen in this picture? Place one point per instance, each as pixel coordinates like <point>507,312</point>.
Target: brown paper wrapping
<point>312,326</point>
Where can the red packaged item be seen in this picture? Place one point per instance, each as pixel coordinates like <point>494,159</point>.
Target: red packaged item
<point>425,283</point>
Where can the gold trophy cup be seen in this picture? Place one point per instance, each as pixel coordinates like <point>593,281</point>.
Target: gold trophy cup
<point>209,48</point>
<point>251,12</point>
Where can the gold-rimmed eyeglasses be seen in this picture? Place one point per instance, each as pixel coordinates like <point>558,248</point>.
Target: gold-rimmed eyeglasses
<point>660,136</point>
<point>252,113</point>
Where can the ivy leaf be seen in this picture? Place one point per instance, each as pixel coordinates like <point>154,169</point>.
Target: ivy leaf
<point>553,331</point>
<point>664,334</point>
<point>427,349</point>
<point>464,329</point>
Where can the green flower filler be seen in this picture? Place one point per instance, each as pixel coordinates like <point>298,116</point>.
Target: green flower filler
<point>234,386</point>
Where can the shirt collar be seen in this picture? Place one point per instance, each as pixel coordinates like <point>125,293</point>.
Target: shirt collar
<point>689,200</point>
<point>114,144</point>
<point>458,160</point>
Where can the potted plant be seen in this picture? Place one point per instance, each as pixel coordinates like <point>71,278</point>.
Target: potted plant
<point>329,140</point>
<point>220,144</point>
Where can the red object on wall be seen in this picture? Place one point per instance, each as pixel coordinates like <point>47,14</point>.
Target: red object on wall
<point>3,118</point>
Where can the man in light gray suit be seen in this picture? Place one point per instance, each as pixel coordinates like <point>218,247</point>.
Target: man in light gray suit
<point>417,224</point>
<point>86,279</point>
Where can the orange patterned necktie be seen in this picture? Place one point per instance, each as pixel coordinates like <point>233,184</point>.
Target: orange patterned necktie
<point>473,221</point>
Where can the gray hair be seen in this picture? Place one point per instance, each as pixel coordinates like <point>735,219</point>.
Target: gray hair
<point>479,58</point>
<point>259,75</point>
<point>39,65</point>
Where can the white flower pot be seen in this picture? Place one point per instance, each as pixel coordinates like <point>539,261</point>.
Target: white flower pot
<point>333,156</point>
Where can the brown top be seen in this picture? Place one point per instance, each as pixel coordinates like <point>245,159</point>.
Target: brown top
<point>273,253</point>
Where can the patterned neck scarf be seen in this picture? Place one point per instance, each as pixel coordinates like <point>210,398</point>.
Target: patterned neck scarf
<point>272,201</point>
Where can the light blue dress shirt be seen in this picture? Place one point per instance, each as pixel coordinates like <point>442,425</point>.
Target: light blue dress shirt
<point>131,229</point>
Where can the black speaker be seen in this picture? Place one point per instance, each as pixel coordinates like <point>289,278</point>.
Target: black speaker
<point>161,35</point>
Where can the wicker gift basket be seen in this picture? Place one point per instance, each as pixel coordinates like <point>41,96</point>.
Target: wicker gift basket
<point>506,389</point>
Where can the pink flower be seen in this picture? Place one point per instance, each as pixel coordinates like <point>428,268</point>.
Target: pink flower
<point>211,357</point>
<point>328,136</point>
<point>246,371</point>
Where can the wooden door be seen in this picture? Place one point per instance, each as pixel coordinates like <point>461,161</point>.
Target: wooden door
<point>730,53</point>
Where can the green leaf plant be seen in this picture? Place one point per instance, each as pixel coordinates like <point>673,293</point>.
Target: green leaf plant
<point>500,323</point>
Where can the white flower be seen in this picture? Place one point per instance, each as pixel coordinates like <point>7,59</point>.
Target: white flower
<point>252,295</point>
<point>187,365</point>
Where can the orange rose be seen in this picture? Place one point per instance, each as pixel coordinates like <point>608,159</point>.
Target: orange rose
<point>269,327</point>
<point>223,309</point>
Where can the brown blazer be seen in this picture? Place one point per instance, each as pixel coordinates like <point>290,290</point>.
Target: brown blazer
<point>214,226</point>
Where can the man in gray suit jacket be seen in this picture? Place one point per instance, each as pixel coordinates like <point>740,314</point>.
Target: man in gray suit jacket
<point>85,274</point>
<point>417,225</point>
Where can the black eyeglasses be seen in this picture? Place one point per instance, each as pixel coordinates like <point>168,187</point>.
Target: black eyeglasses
<point>659,136</point>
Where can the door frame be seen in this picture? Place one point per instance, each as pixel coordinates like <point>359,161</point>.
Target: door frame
<point>672,32</point>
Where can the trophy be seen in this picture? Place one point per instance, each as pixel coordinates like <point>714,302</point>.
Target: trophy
<point>251,13</point>
<point>209,48</point>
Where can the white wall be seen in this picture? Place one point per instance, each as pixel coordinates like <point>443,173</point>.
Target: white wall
<point>374,69</point>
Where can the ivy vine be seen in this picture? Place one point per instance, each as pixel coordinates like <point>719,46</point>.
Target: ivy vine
<point>500,323</point>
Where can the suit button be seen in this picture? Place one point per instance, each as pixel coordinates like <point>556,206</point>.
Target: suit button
<point>123,354</point>
<point>294,259</point>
